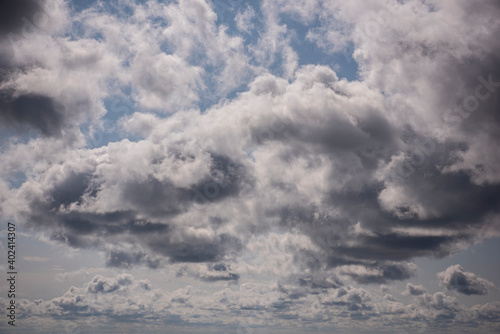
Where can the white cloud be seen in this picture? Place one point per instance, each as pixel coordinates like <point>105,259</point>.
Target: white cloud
<point>244,19</point>
<point>139,303</point>
<point>300,179</point>
<point>456,278</point>
<point>35,258</point>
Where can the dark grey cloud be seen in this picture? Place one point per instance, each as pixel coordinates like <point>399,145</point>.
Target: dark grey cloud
<point>127,259</point>
<point>299,286</point>
<point>100,284</point>
<point>31,111</point>
<point>457,279</point>
<point>381,273</point>
<point>218,272</point>
<point>457,203</point>
<point>14,13</point>
<point>415,290</point>
<point>49,105</point>
<point>21,23</point>
<point>151,209</point>
<point>351,298</point>
<point>195,248</point>
<point>488,312</point>
<point>225,180</point>
<point>158,198</point>
<point>70,189</point>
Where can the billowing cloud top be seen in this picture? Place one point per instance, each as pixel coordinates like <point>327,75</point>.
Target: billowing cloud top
<point>455,278</point>
<point>204,137</point>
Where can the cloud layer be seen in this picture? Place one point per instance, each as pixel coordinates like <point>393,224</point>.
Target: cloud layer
<point>124,300</point>
<point>166,134</point>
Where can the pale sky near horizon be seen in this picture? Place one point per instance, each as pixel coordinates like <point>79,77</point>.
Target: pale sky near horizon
<point>267,166</point>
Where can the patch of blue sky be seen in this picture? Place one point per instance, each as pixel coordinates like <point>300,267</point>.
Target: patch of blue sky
<point>10,136</point>
<point>13,135</point>
<point>78,31</point>
<point>117,106</point>
<point>227,10</point>
<point>98,137</point>
<point>17,179</point>
<point>117,8</point>
<point>80,5</point>
<point>310,53</point>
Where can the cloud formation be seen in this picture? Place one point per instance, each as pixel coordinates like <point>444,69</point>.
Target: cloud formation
<point>316,148</point>
<point>13,13</point>
<point>415,290</point>
<point>123,298</point>
<point>456,278</point>
<point>167,136</point>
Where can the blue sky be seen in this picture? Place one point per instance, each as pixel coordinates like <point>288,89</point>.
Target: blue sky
<point>251,166</point>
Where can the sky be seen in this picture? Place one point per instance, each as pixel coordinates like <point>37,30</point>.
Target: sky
<point>267,166</point>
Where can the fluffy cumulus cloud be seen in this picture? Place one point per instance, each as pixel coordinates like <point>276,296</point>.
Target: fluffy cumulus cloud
<point>456,278</point>
<point>414,290</point>
<point>186,136</point>
<point>123,302</point>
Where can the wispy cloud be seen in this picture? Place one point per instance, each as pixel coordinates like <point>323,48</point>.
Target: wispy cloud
<point>35,258</point>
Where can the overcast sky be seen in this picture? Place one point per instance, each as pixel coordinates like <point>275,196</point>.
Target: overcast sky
<point>267,166</point>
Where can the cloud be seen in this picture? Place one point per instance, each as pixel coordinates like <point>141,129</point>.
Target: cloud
<point>145,192</point>
<point>444,307</point>
<point>236,156</point>
<point>139,304</point>
<point>36,93</point>
<point>166,82</point>
<point>353,299</point>
<point>37,111</point>
<point>488,311</point>
<point>126,259</point>
<point>380,274</point>
<point>13,12</point>
<point>414,290</point>
<point>119,297</point>
<point>467,283</point>
<point>211,273</point>
<point>35,258</point>
<point>244,19</point>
